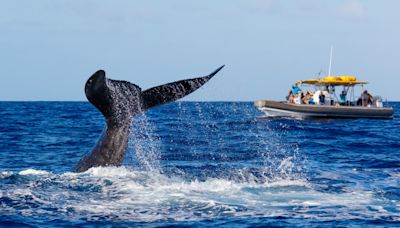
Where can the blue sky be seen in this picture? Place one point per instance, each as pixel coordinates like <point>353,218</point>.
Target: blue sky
<point>48,49</point>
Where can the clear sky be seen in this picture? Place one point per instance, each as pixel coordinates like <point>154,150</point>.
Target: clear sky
<point>49,48</point>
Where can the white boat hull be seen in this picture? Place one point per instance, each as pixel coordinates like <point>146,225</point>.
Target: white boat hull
<point>272,112</point>
<point>281,109</point>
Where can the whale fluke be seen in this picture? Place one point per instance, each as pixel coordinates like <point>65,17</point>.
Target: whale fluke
<point>175,90</point>
<point>119,102</point>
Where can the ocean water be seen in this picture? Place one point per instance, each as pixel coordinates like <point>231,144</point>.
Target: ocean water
<point>202,164</point>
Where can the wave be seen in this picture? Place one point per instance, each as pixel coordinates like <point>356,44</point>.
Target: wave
<point>33,172</point>
<point>119,193</point>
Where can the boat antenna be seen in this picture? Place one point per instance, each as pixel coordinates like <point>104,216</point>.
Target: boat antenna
<point>319,74</point>
<point>330,61</point>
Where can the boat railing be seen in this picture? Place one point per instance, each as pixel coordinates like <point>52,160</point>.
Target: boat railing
<point>330,99</point>
<point>387,103</point>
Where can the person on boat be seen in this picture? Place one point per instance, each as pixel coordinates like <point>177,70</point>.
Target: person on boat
<point>342,98</point>
<point>311,100</point>
<point>306,98</point>
<point>295,89</point>
<point>289,97</point>
<point>321,98</point>
<point>293,93</point>
<point>365,99</point>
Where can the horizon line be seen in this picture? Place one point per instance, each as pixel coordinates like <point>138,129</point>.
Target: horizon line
<point>172,101</point>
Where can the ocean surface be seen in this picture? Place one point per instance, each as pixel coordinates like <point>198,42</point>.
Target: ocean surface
<point>198,164</point>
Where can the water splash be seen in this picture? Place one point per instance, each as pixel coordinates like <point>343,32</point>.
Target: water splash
<point>224,132</point>
<point>281,158</point>
<point>144,146</point>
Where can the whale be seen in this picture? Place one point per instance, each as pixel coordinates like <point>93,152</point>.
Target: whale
<point>119,102</point>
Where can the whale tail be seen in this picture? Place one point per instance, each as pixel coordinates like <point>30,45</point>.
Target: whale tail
<point>116,99</point>
<point>119,101</point>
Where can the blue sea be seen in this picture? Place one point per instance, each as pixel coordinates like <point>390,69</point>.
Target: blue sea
<point>198,164</point>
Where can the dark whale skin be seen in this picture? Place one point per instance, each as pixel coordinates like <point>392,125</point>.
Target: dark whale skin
<point>119,102</point>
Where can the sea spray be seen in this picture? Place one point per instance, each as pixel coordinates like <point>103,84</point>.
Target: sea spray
<point>273,159</point>
<point>144,147</point>
<point>281,159</point>
<point>224,132</point>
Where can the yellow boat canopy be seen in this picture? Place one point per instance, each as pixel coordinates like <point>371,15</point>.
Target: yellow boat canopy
<point>334,80</point>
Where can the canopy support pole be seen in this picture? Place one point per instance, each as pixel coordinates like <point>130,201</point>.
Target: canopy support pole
<point>330,62</point>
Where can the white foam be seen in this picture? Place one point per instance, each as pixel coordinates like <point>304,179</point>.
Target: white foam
<point>5,174</point>
<point>311,203</point>
<point>287,183</point>
<point>33,172</point>
<point>113,172</point>
<point>150,196</point>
